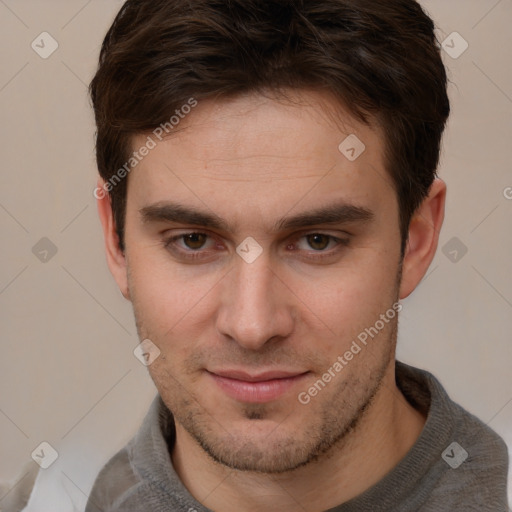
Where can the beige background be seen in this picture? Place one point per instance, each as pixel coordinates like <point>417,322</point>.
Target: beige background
<point>68,375</point>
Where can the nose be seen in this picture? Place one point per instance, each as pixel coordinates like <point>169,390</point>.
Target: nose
<point>256,305</point>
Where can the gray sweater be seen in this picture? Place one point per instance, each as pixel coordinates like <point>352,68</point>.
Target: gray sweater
<point>457,464</point>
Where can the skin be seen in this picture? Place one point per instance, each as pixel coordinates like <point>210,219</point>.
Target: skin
<point>253,160</point>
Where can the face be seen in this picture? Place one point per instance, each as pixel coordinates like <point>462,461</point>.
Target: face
<point>257,255</point>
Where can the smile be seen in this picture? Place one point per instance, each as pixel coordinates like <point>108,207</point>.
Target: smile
<point>263,388</point>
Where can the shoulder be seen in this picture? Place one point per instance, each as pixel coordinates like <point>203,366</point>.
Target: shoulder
<point>468,460</point>
<point>477,454</point>
<point>115,479</point>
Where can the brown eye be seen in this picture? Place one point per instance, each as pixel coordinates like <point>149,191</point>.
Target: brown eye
<point>191,246</point>
<point>318,241</point>
<point>319,247</point>
<point>195,240</point>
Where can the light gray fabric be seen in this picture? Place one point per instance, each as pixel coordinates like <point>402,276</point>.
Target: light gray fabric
<point>14,495</point>
<point>140,477</point>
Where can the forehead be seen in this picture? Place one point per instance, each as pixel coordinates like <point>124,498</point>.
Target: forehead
<point>256,154</point>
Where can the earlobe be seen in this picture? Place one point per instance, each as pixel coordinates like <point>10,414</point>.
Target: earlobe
<point>424,231</point>
<point>116,259</point>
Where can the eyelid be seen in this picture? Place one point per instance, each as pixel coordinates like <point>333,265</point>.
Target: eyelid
<point>294,236</point>
<point>190,254</point>
<point>322,231</point>
<point>168,240</point>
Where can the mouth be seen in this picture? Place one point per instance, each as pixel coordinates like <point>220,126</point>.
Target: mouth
<point>255,388</point>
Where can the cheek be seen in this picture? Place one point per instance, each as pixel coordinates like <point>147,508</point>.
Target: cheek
<point>153,299</point>
<point>159,288</point>
<point>364,282</point>
<point>173,308</point>
<point>353,300</point>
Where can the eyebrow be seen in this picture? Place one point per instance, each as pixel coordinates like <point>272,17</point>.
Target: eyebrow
<point>336,213</point>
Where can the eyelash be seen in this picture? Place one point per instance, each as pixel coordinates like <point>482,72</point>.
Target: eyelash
<point>198,254</point>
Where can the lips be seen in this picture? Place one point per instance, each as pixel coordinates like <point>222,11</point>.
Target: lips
<point>255,388</point>
<point>260,377</point>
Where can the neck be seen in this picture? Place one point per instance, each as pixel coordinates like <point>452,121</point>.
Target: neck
<point>385,433</point>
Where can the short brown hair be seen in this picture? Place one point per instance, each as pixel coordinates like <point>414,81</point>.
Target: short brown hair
<point>379,58</point>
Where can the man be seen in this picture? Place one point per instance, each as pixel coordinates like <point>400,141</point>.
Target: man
<point>268,195</point>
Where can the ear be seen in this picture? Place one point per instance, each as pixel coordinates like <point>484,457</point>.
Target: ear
<point>116,259</point>
<point>424,231</point>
